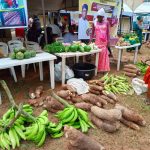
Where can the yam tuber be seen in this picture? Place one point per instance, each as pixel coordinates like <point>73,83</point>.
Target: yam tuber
<point>130,74</point>
<point>96,88</point>
<point>66,94</point>
<point>80,141</point>
<point>93,99</point>
<point>94,92</point>
<point>109,115</point>
<point>129,124</point>
<point>134,71</point>
<point>68,87</point>
<point>97,82</point>
<point>130,66</point>
<point>110,95</point>
<point>105,125</point>
<point>83,105</point>
<point>108,99</point>
<point>130,115</point>
<point>38,91</point>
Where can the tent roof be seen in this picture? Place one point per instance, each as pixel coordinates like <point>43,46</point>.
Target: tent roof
<point>144,8</point>
<point>127,11</point>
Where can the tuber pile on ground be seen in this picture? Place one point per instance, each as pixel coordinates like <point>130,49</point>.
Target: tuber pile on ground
<point>79,141</point>
<point>131,70</point>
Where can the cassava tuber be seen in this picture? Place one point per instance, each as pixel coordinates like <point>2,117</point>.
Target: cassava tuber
<point>130,74</point>
<point>94,92</point>
<point>130,115</point>
<point>80,141</point>
<point>105,125</point>
<point>134,71</point>
<point>38,91</point>
<point>110,115</point>
<point>129,124</point>
<point>66,94</point>
<point>108,99</point>
<point>96,88</point>
<point>68,87</point>
<point>83,105</point>
<point>110,95</point>
<point>130,66</point>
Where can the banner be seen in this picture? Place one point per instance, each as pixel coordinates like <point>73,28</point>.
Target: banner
<point>111,7</point>
<point>13,14</point>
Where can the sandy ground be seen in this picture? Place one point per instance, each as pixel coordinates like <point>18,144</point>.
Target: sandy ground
<point>124,139</point>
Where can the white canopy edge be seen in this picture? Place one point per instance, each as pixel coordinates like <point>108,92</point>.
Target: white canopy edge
<point>144,8</point>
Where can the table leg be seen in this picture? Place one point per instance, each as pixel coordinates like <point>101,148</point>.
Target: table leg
<point>136,53</point>
<point>52,77</point>
<point>63,69</point>
<point>41,71</point>
<point>13,73</point>
<point>145,37</point>
<point>119,59</point>
<point>23,68</point>
<point>96,63</point>
<point>77,59</point>
<point>0,98</point>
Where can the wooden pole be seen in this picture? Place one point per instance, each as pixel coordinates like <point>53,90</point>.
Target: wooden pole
<point>44,21</point>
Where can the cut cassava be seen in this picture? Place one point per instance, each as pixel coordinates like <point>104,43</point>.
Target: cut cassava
<point>83,105</point>
<point>80,141</point>
<point>105,125</point>
<point>38,91</point>
<point>110,115</point>
<point>129,124</point>
<point>130,115</point>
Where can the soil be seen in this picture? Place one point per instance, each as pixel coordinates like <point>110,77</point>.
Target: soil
<point>124,139</point>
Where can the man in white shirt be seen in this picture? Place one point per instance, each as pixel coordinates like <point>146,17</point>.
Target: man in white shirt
<point>83,26</point>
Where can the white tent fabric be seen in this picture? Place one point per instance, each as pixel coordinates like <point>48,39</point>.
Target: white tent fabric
<point>144,8</point>
<point>127,11</point>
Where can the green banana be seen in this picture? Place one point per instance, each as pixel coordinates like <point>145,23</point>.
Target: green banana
<point>16,137</point>
<point>34,131</point>
<point>44,113</point>
<point>75,115</point>
<point>83,115</point>
<point>56,129</point>
<point>20,132</point>
<point>12,138</point>
<point>42,140</point>
<point>69,119</point>
<point>43,120</point>
<point>57,135</point>
<point>3,140</point>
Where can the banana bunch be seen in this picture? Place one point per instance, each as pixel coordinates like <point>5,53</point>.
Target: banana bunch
<point>36,132</point>
<point>12,137</point>
<point>75,117</point>
<point>55,130</point>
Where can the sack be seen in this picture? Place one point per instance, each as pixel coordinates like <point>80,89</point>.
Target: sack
<point>139,86</point>
<point>79,85</point>
<point>58,72</point>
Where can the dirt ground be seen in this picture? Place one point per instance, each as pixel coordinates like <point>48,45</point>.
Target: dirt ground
<point>124,139</point>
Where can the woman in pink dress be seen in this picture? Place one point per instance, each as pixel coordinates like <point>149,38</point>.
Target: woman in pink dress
<point>101,32</point>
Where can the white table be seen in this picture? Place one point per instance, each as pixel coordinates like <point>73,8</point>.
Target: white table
<point>145,35</point>
<point>120,51</point>
<point>41,57</point>
<point>77,55</point>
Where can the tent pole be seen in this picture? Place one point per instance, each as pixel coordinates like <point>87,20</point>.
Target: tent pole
<point>44,21</point>
<point>121,16</point>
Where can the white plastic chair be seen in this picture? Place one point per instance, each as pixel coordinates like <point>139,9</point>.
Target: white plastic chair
<point>18,45</point>
<point>4,48</point>
<point>32,46</point>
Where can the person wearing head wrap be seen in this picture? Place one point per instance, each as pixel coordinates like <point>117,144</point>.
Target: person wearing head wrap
<point>101,32</point>
<point>83,25</point>
<point>137,27</point>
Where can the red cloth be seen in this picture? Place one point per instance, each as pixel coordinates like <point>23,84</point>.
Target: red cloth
<point>20,32</point>
<point>147,77</point>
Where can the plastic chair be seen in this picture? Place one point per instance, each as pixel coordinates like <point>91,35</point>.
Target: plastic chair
<point>32,46</point>
<point>4,48</point>
<point>18,45</point>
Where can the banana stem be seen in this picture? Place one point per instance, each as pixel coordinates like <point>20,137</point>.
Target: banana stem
<point>15,118</point>
<point>61,100</point>
<point>12,101</point>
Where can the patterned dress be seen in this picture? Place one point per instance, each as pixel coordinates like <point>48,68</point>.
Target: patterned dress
<point>102,39</point>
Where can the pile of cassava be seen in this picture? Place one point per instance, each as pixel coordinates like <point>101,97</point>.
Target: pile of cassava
<point>131,70</point>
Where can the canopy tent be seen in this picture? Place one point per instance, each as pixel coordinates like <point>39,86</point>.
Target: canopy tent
<point>144,9</point>
<point>127,11</point>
